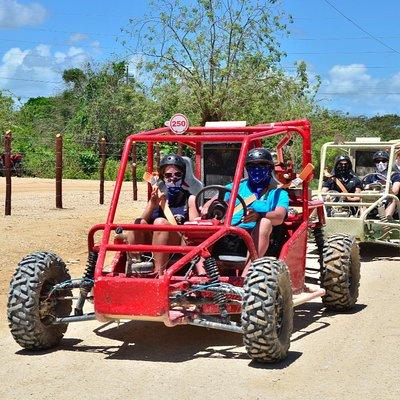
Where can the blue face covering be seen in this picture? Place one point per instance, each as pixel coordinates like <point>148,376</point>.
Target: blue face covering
<point>174,188</point>
<point>259,177</point>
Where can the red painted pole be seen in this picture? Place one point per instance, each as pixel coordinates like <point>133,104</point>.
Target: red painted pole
<point>59,171</point>
<point>102,151</point>
<point>7,170</point>
<point>133,169</point>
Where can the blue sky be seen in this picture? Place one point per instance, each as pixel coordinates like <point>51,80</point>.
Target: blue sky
<point>360,75</point>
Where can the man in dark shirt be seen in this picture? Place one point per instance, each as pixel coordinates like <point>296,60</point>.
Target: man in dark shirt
<point>343,179</point>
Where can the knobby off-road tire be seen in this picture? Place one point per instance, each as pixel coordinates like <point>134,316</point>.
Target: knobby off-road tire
<point>340,274</point>
<point>29,310</point>
<point>267,310</point>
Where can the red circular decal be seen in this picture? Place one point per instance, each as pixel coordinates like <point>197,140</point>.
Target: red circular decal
<point>179,124</point>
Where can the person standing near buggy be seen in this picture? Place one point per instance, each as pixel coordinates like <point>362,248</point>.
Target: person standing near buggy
<point>271,204</point>
<point>381,161</point>
<point>343,179</point>
<point>170,188</point>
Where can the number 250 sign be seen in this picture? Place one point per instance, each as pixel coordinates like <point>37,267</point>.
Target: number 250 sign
<point>179,123</point>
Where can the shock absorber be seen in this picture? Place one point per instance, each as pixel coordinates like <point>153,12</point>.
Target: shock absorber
<point>87,282</point>
<point>319,242</point>
<point>210,265</point>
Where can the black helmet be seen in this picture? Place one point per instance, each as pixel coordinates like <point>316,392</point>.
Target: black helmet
<point>172,159</point>
<point>381,154</point>
<point>259,155</point>
<point>342,170</point>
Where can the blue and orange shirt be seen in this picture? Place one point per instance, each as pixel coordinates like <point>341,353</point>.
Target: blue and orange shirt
<point>275,197</point>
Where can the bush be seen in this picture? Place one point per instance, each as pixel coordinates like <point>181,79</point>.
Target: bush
<point>111,171</point>
<point>89,162</point>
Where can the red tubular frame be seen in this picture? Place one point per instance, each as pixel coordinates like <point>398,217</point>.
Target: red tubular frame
<point>107,289</point>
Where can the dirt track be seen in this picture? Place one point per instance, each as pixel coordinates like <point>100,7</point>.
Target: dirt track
<point>333,356</point>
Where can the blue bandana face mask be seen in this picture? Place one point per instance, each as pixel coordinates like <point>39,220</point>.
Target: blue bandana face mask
<point>259,177</point>
<point>259,174</point>
<point>173,187</point>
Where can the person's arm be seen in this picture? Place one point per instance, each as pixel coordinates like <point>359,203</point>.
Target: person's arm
<point>151,204</point>
<point>204,209</point>
<point>276,216</point>
<point>354,198</point>
<point>193,214</point>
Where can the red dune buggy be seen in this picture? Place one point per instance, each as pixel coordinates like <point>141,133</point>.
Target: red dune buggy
<point>206,282</point>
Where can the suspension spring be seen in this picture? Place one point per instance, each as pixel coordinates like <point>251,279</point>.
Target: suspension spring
<point>319,241</point>
<point>88,276</point>
<point>210,265</point>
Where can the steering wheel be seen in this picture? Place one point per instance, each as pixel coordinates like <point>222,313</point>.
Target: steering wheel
<point>217,209</point>
<point>374,185</point>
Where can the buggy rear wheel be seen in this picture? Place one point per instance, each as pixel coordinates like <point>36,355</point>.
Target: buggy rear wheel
<point>340,274</point>
<point>31,306</point>
<point>267,311</point>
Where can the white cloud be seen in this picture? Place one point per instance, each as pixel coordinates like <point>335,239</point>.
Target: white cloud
<point>350,79</point>
<point>351,88</point>
<point>15,15</point>
<point>20,70</point>
<point>77,37</point>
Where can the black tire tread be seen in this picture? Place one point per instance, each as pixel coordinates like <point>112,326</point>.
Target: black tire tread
<point>340,275</point>
<point>261,286</point>
<point>23,301</point>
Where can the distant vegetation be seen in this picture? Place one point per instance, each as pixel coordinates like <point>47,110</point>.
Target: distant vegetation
<point>215,61</point>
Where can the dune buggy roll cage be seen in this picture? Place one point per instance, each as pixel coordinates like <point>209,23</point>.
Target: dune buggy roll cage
<point>194,137</point>
<point>369,200</point>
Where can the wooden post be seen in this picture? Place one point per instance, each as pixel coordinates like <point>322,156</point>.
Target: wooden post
<point>7,170</point>
<point>133,169</point>
<point>102,151</point>
<point>158,154</point>
<point>180,149</point>
<point>59,162</point>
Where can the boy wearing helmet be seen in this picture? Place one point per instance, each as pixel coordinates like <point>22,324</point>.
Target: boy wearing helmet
<point>343,177</point>
<point>271,204</point>
<point>172,188</point>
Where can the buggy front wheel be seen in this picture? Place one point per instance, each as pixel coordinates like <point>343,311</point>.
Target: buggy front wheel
<point>267,310</point>
<point>33,305</point>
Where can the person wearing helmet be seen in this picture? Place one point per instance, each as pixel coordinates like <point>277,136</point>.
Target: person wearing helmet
<point>270,207</point>
<point>381,162</point>
<point>171,187</point>
<point>343,179</point>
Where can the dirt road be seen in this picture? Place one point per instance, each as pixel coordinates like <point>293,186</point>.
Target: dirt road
<point>333,356</point>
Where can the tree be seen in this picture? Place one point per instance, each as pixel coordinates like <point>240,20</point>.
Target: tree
<point>7,113</point>
<point>218,55</point>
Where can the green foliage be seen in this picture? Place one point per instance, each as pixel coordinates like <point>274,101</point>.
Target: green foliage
<point>112,167</point>
<point>89,162</point>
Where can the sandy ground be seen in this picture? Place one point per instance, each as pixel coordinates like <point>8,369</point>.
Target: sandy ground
<point>354,355</point>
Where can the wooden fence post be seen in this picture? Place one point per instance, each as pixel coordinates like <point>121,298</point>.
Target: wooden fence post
<point>102,151</point>
<point>59,162</point>
<point>7,170</point>
<point>133,169</point>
